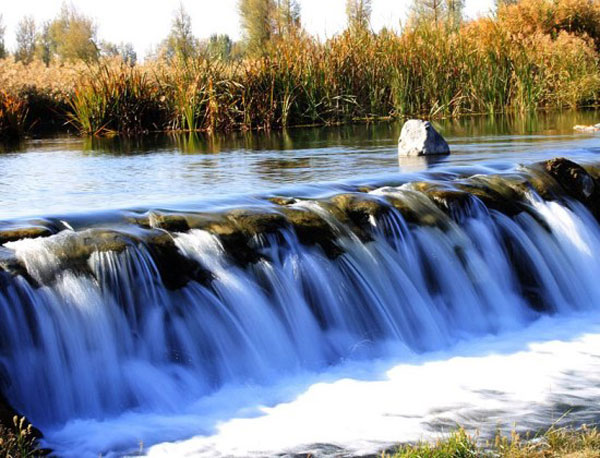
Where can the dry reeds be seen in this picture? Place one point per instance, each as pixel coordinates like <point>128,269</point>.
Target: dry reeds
<point>536,54</point>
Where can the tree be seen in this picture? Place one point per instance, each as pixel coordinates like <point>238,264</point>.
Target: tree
<point>26,40</point>
<point>437,11</point>
<point>454,12</point>
<point>72,36</point>
<point>358,13</point>
<point>287,17</point>
<point>181,42</point>
<point>43,44</point>
<point>219,46</point>
<point>428,11</point>
<point>128,54</point>
<point>257,22</point>
<point>2,47</point>
<point>125,51</point>
<point>501,3</point>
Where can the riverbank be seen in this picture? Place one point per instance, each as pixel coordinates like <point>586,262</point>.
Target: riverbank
<point>19,441</point>
<point>556,442</point>
<point>528,56</point>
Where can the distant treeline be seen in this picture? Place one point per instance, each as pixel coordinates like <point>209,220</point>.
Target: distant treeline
<point>524,56</point>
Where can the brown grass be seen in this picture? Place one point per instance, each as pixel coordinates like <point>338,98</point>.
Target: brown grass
<point>536,54</point>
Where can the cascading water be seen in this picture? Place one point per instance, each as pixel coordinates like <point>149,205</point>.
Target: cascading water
<point>94,333</point>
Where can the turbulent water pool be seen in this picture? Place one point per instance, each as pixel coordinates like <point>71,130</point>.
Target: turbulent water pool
<point>300,293</point>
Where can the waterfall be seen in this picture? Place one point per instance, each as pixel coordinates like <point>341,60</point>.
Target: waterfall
<point>93,334</point>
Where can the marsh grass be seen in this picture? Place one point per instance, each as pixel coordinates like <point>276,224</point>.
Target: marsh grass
<point>13,115</point>
<point>114,99</point>
<point>19,441</point>
<point>536,54</point>
<point>556,442</point>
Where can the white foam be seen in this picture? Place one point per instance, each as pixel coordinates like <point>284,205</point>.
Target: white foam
<point>499,381</point>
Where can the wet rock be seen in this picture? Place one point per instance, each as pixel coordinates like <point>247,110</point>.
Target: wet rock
<point>139,220</point>
<point>311,229</point>
<point>234,240</point>
<point>238,230</point>
<point>282,200</point>
<point>416,208</point>
<point>406,210</point>
<point>245,226</point>
<point>366,188</point>
<point>73,249</point>
<point>175,269</point>
<point>503,199</point>
<point>447,198</point>
<point>253,223</point>
<point>419,138</point>
<point>358,210</point>
<point>12,266</point>
<point>530,286</point>
<point>32,232</point>
<point>172,222</point>
<point>573,178</point>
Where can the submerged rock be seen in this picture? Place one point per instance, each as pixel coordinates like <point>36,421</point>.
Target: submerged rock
<point>419,138</point>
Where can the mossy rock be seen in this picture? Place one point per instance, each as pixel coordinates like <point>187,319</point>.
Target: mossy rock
<point>360,206</point>
<point>80,245</point>
<point>444,196</point>
<point>12,266</point>
<point>355,210</point>
<point>19,233</point>
<point>573,178</point>
<point>503,199</point>
<point>172,222</point>
<point>282,201</point>
<point>312,230</point>
<point>236,229</point>
<point>73,250</point>
<point>253,223</point>
<point>175,269</point>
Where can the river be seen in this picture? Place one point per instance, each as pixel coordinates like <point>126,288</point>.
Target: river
<point>304,292</point>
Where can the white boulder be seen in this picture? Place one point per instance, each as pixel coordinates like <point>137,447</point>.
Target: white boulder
<point>419,138</point>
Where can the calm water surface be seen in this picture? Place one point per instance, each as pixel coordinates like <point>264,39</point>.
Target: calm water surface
<point>73,175</point>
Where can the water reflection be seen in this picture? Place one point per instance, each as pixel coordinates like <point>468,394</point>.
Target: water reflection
<point>74,174</point>
<point>408,164</point>
<point>355,135</point>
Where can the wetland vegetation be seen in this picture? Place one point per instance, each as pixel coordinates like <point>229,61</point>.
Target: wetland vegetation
<point>524,56</point>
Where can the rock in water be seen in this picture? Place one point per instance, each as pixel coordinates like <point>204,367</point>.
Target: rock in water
<point>582,128</point>
<point>419,138</point>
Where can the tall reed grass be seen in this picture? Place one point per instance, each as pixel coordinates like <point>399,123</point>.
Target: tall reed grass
<point>13,115</point>
<point>536,54</point>
<point>19,440</point>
